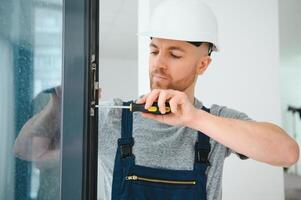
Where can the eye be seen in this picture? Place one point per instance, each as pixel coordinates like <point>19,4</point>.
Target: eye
<point>154,52</point>
<point>175,56</point>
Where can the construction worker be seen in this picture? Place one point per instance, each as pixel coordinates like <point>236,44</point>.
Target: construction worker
<point>179,155</point>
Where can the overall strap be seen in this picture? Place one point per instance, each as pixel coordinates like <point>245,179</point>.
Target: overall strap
<point>202,146</point>
<point>124,158</point>
<point>127,121</point>
<point>126,141</point>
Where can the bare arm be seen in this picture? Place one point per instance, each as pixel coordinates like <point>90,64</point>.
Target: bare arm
<point>34,142</point>
<point>262,141</point>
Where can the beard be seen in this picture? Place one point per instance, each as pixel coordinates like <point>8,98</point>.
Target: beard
<point>166,82</point>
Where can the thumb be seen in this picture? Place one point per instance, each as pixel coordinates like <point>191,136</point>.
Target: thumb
<point>142,99</point>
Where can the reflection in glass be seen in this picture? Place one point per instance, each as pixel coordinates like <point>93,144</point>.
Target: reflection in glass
<point>30,65</point>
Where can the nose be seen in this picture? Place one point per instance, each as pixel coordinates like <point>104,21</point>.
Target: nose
<point>159,61</point>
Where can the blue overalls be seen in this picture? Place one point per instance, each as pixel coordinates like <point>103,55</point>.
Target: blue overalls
<point>134,182</point>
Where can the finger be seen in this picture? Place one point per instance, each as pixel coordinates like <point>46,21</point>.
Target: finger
<point>161,101</point>
<point>173,105</point>
<point>58,91</point>
<point>142,99</point>
<point>163,97</point>
<point>153,96</point>
<point>55,97</point>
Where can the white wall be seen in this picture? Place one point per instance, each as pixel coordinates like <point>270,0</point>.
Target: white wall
<point>118,78</point>
<point>118,59</point>
<point>244,76</point>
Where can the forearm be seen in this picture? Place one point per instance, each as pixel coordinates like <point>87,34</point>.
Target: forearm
<point>260,141</point>
<point>36,135</point>
<point>29,146</point>
<point>48,160</point>
<point>24,145</point>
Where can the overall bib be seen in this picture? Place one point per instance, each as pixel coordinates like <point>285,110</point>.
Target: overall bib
<point>134,182</point>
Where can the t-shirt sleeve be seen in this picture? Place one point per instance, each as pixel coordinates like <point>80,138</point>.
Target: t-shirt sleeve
<point>223,111</point>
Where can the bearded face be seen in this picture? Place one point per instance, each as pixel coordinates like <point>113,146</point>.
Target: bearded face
<point>162,79</point>
<point>172,64</point>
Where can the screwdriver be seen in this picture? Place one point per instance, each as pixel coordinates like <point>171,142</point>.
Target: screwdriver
<point>136,107</point>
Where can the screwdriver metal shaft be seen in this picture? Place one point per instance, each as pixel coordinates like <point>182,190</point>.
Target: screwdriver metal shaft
<point>134,107</point>
<point>103,106</point>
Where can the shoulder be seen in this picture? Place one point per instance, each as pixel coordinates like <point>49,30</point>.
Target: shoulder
<point>226,112</point>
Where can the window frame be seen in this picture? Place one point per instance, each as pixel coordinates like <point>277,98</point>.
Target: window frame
<point>80,95</point>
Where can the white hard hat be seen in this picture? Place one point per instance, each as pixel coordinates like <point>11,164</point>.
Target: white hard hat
<point>185,20</point>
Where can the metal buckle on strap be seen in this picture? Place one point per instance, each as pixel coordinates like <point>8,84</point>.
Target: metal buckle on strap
<point>125,146</point>
<point>202,154</point>
<point>125,150</point>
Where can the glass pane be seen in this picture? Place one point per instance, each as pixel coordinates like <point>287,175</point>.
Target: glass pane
<point>30,95</point>
<point>118,77</point>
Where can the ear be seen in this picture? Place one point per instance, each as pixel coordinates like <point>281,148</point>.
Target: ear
<point>203,64</point>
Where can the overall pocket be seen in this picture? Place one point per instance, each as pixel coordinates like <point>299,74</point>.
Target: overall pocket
<point>160,181</point>
<point>150,188</point>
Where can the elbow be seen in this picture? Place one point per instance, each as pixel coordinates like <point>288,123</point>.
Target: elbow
<point>292,156</point>
<point>19,151</point>
<point>16,150</point>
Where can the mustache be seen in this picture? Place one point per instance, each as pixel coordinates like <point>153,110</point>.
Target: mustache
<point>159,72</point>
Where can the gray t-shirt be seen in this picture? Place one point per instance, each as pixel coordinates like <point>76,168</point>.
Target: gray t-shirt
<point>159,145</point>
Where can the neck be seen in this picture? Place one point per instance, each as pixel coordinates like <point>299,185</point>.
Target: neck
<point>190,93</point>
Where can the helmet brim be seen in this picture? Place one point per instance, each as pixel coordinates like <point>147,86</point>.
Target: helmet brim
<point>169,37</point>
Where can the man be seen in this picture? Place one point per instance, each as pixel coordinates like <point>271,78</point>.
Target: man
<point>164,156</point>
<point>179,155</point>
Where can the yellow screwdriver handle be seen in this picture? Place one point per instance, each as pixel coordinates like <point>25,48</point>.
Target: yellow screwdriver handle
<point>154,109</point>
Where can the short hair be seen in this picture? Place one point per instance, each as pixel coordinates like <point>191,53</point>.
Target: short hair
<point>197,44</point>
